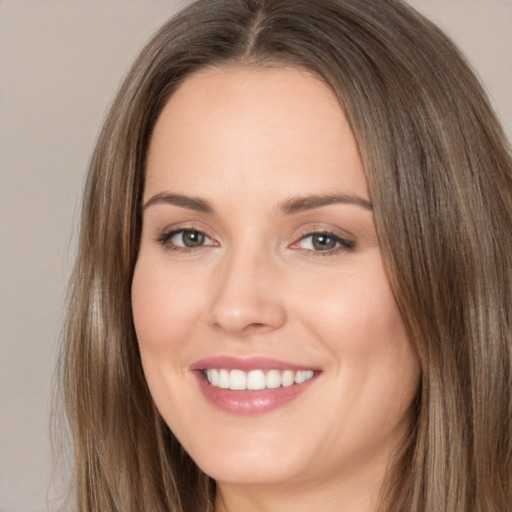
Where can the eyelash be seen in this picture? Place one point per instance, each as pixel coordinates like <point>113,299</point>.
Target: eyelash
<point>342,243</point>
<point>165,240</point>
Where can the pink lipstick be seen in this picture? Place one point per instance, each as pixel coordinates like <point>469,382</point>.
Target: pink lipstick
<point>252,385</point>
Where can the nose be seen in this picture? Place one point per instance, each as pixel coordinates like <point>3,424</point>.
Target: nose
<point>245,298</point>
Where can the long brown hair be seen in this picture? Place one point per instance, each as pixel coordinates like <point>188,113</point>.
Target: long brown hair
<point>440,177</point>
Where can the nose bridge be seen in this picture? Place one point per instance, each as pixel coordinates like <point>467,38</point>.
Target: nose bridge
<point>244,298</point>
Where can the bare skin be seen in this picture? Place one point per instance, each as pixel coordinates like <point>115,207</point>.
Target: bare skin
<point>259,242</point>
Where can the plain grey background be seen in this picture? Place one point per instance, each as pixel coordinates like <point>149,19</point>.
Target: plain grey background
<point>61,63</point>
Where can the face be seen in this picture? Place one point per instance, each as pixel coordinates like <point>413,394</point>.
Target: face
<point>269,335</point>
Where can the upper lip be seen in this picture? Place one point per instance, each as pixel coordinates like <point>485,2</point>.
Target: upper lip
<point>246,364</point>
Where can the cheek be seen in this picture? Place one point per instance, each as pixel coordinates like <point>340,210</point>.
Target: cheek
<point>164,305</point>
<point>381,360</point>
<point>352,311</point>
<point>357,320</point>
<point>163,315</point>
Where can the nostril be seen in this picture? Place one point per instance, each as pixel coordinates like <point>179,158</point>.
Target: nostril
<point>255,326</point>
<point>247,329</point>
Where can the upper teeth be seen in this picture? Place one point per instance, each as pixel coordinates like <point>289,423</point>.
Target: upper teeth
<point>254,380</point>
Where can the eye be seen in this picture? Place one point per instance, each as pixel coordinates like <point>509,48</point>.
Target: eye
<point>323,242</point>
<point>186,239</point>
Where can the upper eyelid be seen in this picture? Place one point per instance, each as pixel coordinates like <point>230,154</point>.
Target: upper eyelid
<point>339,239</point>
<point>169,233</point>
<point>343,234</point>
<point>321,232</point>
<point>185,226</point>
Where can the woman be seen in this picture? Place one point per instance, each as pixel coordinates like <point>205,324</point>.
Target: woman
<point>294,271</point>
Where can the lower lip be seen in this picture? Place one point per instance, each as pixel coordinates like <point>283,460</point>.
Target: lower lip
<point>249,403</point>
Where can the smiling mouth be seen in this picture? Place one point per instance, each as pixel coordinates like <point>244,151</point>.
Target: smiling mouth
<point>253,385</point>
<point>255,380</point>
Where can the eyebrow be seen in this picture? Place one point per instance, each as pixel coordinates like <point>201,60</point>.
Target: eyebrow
<point>288,207</point>
<point>191,203</point>
<point>303,203</point>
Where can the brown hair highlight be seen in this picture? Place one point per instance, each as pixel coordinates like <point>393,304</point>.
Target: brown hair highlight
<point>439,171</point>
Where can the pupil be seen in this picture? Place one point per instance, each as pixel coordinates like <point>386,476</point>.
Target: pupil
<point>193,238</point>
<point>323,242</point>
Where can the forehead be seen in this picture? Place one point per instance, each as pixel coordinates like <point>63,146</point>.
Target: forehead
<point>252,127</point>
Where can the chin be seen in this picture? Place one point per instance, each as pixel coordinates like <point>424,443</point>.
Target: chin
<point>253,465</point>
